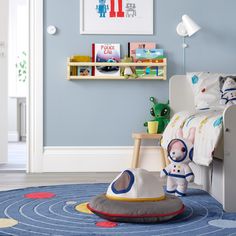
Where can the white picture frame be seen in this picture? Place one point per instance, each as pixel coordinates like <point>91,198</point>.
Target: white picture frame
<point>116,17</point>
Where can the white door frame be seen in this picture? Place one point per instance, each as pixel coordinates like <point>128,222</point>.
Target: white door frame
<point>3,80</point>
<point>35,101</point>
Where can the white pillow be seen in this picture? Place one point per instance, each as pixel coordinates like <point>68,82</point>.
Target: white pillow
<point>206,89</point>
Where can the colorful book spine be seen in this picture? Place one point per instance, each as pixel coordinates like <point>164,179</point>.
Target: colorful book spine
<point>73,71</point>
<point>93,58</point>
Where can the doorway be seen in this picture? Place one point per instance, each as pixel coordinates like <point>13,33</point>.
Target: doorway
<point>17,52</point>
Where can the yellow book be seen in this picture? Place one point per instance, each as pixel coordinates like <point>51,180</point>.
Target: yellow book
<point>79,58</point>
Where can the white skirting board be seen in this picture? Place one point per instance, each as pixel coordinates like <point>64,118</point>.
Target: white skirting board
<point>13,136</point>
<point>97,159</point>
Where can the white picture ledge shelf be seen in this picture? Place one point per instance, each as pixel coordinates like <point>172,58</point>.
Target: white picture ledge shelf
<point>70,65</point>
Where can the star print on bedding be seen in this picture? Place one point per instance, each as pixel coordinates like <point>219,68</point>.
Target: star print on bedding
<point>212,90</point>
<point>206,89</point>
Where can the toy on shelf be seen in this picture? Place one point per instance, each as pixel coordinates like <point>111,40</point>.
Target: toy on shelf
<point>228,90</point>
<point>161,113</point>
<point>128,71</point>
<point>136,196</point>
<point>178,172</point>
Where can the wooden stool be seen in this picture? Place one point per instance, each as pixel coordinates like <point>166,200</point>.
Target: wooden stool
<point>137,143</point>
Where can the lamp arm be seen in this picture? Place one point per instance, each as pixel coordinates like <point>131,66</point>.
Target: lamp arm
<point>184,45</point>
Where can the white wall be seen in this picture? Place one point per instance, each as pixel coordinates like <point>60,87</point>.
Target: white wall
<point>18,43</point>
<point>3,79</point>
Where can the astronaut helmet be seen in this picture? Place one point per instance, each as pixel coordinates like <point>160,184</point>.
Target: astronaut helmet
<point>180,149</point>
<point>136,185</point>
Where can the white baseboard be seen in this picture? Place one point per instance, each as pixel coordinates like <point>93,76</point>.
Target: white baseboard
<point>13,136</point>
<point>97,159</point>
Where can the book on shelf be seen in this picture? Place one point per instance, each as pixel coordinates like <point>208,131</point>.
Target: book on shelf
<point>73,71</point>
<point>84,70</point>
<point>132,46</point>
<point>76,70</point>
<point>149,71</point>
<point>150,55</point>
<point>159,60</point>
<point>106,53</point>
<point>145,54</point>
<point>80,58</point>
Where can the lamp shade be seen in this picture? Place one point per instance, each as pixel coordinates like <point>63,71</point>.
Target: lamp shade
<point>187,27</point>
<point>190,26</point>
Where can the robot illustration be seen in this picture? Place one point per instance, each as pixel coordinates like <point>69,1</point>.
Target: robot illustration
<point>102,8</point>
<point>130,10</point>
<point>161,113</point>
<point>178,172</point>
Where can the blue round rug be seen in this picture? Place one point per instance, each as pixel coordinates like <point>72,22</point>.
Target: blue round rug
<point>61,210</point>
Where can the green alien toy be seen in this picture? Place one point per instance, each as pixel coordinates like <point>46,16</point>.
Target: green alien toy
<point>161,113</point>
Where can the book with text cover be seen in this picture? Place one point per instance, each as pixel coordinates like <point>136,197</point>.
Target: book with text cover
<point>106,53</point>
<point>132,46</point>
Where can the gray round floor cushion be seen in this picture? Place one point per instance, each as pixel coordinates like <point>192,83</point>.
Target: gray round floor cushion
<point>136,212</point>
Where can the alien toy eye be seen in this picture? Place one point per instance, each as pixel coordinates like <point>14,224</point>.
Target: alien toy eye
<point>164,112</point>
<point>152,112</point>
<point>183,149</point>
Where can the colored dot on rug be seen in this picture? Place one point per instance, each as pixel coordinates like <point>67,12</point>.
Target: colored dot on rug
<point>71,202</point>
<point>106,224</point>
<point>224,224</point>
<point>83,208</point>
<point>40,195</point>
<point>6,223</point>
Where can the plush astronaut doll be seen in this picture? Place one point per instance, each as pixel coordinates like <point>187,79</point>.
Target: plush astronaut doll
<point>178,172</point>
<point>228,91</point>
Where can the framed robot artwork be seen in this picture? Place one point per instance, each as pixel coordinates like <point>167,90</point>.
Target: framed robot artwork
<point>116,17</point>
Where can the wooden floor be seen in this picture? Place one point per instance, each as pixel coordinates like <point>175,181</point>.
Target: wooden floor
<point>14,180</point>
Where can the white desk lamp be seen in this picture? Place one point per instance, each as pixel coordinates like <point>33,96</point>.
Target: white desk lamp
<point>186,28</point>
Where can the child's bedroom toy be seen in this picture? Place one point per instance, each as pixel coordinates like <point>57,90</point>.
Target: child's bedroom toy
<point>137,196</point>
<point>180,153</point>
<point>161,113</point>
<point>128,71</point>
<point>228,90</point>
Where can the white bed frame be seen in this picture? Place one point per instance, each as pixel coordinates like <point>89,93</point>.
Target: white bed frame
<point>220,178</point>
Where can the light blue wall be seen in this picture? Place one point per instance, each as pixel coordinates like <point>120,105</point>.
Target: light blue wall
<point>105,113</point>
